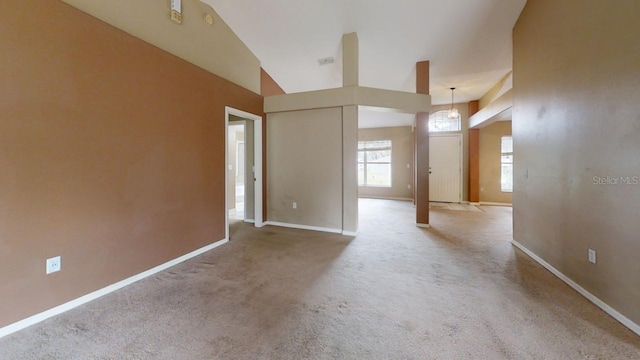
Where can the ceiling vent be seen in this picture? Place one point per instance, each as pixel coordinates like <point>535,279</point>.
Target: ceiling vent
<point>326,61</point>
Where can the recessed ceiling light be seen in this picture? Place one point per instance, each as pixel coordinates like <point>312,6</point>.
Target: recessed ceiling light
<point>326,61</point>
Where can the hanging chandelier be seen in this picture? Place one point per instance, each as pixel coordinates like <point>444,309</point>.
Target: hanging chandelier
<point>453,112</point>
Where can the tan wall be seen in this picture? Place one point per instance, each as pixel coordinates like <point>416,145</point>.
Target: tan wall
<point>304,155</point>
<point>193,40</point>
<point>464,114</point>
<point>401,155</point>
<point>490,162</point>
<point>576,117</point>
<point>496,91</point>
<point>112,155</point>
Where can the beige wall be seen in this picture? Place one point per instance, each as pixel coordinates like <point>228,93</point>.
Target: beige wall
<point>490,162</point>
<point>464,117</point>
<point>576,119</point>
<point>502,86</point>
<point>401,155</point>
<point>193,40</point>
<point>304,156</point>
<point>112,155</point>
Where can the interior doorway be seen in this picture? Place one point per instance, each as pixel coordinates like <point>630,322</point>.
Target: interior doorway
<point>445,168</point>
<point>243,181</point>
<point>236,169</point>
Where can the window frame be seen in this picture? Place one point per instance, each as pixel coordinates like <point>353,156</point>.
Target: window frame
<point>441,117</point>
<point>362,148</point>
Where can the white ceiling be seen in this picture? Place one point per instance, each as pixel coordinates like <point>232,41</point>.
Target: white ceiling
<point>468,42</point>
<point>375,118</point>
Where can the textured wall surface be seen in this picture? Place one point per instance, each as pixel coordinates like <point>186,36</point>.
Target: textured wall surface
<point>112,155</point>
<point>576,128</point>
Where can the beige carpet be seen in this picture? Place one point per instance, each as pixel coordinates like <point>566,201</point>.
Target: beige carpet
<point>453,206</point>
<point>456,291</point>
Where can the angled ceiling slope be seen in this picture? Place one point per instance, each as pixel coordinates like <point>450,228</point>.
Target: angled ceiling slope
<point>193,40</point>
<point>468,42</point>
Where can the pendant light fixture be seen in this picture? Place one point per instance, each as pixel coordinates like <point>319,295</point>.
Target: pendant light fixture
<point>453,112</point>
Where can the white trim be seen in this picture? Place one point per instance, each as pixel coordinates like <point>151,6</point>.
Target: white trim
<point>384,197</point>
<point>32,320</point>
<point>303,227</point>
<point>474,203</point>
<point>350,233</point>
<point>424,226</point>
<point>601,304</point>
<point>489,203</point>
<point>257,161</point>
<point>251,221</point>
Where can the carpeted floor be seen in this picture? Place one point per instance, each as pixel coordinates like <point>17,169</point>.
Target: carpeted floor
<point>456,291</point>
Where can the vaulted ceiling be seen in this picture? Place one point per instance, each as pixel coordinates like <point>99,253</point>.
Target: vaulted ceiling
<point>468,42</point>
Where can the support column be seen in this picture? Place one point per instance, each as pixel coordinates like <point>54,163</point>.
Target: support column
<point>349,170</point>
<point>350,77</point>
<point>474,157</point>
<point>350,69</point>
<point>422,149</point>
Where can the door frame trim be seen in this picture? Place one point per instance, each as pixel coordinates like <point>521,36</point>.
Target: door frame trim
<point>257,159</point>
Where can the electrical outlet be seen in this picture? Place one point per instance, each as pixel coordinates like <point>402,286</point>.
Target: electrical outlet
<point>295,205</point>
<point>592,256</point>
<point>409,186</point>
<point>54,264</point>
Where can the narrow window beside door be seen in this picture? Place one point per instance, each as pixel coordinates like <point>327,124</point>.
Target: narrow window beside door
<point>506,159</point>
<point>374,163</point>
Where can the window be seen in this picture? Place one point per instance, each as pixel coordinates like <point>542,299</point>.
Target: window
<point>439,122</point>
<point>374,163</point>
<point>506,159</point>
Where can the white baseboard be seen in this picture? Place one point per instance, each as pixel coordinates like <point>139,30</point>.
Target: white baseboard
<point>350,233</point>
<point>601,304</point>
<point>489,203</point>
<point>425,226</point>
<point>250,221</point>
<point>10,329</point>
<point>304,227</point>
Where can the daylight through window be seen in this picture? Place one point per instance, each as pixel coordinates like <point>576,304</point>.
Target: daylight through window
<point>506,159</point>
<point>440,122</point>
<point>374,163</point>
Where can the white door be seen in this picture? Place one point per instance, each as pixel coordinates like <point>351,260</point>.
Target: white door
<point>445,168</point>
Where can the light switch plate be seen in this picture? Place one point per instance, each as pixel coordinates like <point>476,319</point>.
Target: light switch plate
<point>176,17</point>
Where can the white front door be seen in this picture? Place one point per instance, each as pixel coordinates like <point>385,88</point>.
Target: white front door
<point>445,168</point>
